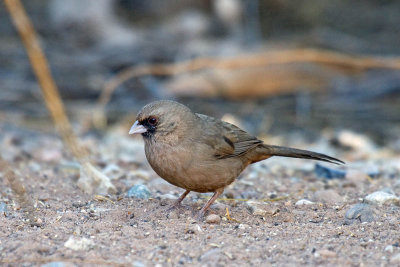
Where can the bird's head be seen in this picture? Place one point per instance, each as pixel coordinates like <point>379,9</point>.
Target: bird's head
<point>160,119</point>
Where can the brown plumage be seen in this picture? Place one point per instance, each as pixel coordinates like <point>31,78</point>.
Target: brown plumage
<point>200,153</point>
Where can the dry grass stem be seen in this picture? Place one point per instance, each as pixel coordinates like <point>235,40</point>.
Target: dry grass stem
<point>42,72</point>
<point>275,57</point>
<point>19,191</point>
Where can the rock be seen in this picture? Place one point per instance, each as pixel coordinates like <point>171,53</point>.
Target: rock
<point>139,191</point>
<point>328,173</point>
<point>359,212</point>
<point>382,198</point>
<point>78,244</point>
<point>389,249</point>
<point>325,253</point>
<point>91,180</point>
<point>261,209</point>
<point>304,202</point>
<point>213,218</point>
<point>395,259</point>
<point>3,207</point>
<point>327,196</point>
<point>355,141</point>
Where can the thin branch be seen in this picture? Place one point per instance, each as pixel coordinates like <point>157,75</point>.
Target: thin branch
<point>333,59</point>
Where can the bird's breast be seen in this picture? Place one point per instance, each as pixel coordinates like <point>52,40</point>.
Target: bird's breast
<point>170,162</point>
<point>192,169</point>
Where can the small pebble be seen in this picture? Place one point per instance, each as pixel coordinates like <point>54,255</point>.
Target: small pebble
<point>139,191</point>
<point>213,219</point>
<point>78,244</point>
<point>389,249</point>
<point>303,202</point>
<point>3,207</point>
<point>243,226</point>
<point>359,212</point>
<point>382,198</point>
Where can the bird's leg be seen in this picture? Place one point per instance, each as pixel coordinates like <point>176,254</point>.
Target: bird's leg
<point>179,200</point>
<point>217,193</point>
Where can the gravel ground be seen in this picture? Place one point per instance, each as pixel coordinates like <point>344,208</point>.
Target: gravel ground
<point>282,212</point>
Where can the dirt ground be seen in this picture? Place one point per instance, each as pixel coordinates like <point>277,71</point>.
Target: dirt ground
<point>264,227</point>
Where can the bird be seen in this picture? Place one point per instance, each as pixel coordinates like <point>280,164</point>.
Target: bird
<point>200,153</point>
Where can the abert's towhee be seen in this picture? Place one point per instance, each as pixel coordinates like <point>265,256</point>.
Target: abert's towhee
<point>201,153</point>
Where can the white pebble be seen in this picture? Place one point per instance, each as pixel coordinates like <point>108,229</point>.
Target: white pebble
<point>382,198</point>
<point>304,202</point>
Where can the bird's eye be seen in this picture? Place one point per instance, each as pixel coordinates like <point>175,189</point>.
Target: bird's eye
<point>152,121</point>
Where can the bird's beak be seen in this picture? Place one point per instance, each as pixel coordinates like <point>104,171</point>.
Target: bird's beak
<point>137,128</point>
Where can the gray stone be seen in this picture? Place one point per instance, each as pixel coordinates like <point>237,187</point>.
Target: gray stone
<point>382,198</point>
<point>328,172</point>
<point>359,213</point>
<point>139,191</point>
<point>3,207</point>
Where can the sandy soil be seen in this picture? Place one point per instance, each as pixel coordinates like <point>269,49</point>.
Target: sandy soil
<point>77,229</point>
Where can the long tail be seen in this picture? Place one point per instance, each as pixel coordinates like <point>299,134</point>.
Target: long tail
<point>297,153</point>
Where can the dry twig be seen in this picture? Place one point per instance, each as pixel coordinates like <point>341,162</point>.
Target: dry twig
<point>19,191</point>
<point>328,58</point>
<point>42,72</point>
<point>93,178</point>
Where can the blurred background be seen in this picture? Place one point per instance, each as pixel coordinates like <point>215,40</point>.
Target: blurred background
<point>89,43</point>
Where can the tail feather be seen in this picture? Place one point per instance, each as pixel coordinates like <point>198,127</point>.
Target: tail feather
<point>299,153</point>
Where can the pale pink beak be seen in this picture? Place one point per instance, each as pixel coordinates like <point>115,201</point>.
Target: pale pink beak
<point>137,128</point>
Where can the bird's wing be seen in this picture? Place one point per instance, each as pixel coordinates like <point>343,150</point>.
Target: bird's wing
<point>226,139</point>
